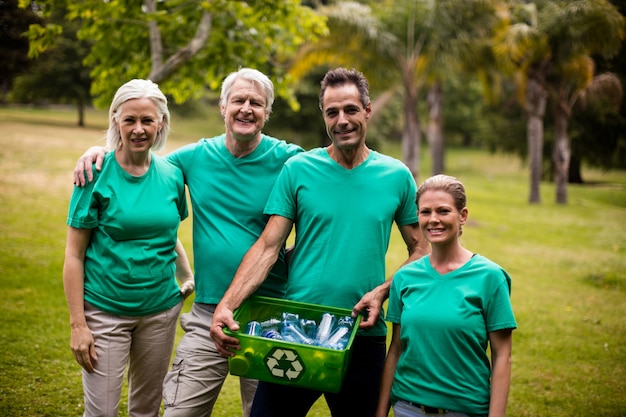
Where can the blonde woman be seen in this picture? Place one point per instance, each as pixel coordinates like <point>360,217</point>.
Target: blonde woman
<point>122,258</point>
<point>446,309</point>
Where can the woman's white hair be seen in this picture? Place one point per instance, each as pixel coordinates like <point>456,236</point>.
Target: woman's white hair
<point>138,88</point>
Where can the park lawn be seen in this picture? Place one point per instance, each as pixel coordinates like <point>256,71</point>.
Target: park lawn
<point>567,263</point>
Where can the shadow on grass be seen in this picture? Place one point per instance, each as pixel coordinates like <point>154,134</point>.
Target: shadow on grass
<point>610,280</point>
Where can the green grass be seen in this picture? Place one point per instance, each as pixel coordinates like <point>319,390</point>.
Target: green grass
<point>568,266</point>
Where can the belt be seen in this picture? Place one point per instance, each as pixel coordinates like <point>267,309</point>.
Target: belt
<point>429,410</point>
<point>206,307</point>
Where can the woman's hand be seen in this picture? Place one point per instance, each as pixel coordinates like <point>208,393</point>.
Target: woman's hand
<point>83,347</point>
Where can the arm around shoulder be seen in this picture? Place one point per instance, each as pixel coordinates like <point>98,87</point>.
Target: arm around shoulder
<point>85,163</point>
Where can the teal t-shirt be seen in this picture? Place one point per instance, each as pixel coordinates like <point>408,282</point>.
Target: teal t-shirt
<point>444,325</point>
<point>228,195</point>
<point>343,220</point>
<point>130,260</point>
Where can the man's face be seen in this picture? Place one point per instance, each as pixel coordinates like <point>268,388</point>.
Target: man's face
<point>245,111</point>
<point>345,117</point>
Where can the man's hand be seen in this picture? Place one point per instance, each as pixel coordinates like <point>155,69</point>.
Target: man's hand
<point>85,162</point>
<point>223,317</point>
<point>370,306</point>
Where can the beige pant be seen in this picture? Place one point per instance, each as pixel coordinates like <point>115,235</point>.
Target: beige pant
<point>198,372</point>
<point>145,345</point>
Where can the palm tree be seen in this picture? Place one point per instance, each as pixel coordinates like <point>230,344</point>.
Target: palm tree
<point>409,45</point>
<point>548,46</point>
<point>457,34</point>
<point>357,38</point>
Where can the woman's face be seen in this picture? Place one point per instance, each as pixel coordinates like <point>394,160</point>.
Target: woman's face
<point>439,219</point>
<point>139,124</point>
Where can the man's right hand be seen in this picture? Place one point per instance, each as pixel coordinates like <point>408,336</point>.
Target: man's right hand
<point>223,317</point>
<point>85,162</point>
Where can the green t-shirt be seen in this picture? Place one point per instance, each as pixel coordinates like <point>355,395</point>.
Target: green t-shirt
<point>130,260</point>
<point>227,197</point>
<point>343,221</point>
<point>444,325</point>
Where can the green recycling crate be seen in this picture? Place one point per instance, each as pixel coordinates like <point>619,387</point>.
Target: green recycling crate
<point>283,362</point>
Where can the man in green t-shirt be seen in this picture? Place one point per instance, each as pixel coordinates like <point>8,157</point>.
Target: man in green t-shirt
<point>343,201</point>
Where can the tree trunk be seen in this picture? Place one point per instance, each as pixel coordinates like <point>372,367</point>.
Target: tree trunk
<point>411,135</point>
<point>575,174</point>
<point>561,152</point>
<point>435,128</point>
<point>535,105</point>
<point>156,42</point>
<point>162,70</point>
<point>81,113</point>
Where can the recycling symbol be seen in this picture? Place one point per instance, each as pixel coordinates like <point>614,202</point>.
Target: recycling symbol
<point>284,364</point>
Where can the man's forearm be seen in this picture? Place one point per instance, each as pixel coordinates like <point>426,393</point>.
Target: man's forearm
<point>252,272</point>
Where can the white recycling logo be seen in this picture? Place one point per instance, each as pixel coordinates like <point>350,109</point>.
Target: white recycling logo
<point>284,364</point>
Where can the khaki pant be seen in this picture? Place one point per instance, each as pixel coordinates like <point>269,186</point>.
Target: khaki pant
<point>198,372</point>
<point>145,345</point>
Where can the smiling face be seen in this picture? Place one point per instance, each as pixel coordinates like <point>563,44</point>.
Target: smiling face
<point>245,111</point>
<point>345,117</point>
<point>138,123</point>
<point>439,219</point>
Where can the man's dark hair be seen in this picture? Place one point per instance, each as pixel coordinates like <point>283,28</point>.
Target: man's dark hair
<point>341,76</point>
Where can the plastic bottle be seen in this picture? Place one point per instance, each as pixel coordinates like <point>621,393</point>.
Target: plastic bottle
<point>272,334</point>
<point>291,317</point>
<point>309,327</point>
<point>341,334</point>
<point>272,322</point>
<point>293,333</point>
<point>254,328</point>
<point>324,328</point>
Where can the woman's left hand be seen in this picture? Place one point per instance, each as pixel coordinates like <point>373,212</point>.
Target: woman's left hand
<point>187,287</point>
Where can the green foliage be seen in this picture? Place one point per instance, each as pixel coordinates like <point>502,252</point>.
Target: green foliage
<point>568,265</point>
<point>598,137</point>
<point>14,21</point>
<point>261,34</point>
<point>57,74</point>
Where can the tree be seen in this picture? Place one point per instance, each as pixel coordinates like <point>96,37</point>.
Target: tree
<point>359,39</point>
<point>597,128</point>
<point>455,35</point>
<point>63,64</point>
<point>548,46</point>
<point>184,46</point>
<point>14,21</point>
<point>402,47</point>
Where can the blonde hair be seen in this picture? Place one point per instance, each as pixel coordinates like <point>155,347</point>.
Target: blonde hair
<point>133,89</point>
<point>448,184</point>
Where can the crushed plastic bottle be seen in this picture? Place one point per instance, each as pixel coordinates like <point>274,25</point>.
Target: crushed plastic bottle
<point>272,334</point>
<point>341,334</point>
<point>330,333</point>
<point>324,328</point>
<point>309,326</point>
<point>254,328</point>
<point>292,332</point>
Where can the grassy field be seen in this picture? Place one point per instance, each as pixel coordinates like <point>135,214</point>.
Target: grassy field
<point>568,266</point>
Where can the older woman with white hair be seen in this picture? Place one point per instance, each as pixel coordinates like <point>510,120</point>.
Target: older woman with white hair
<point>123,256</point>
